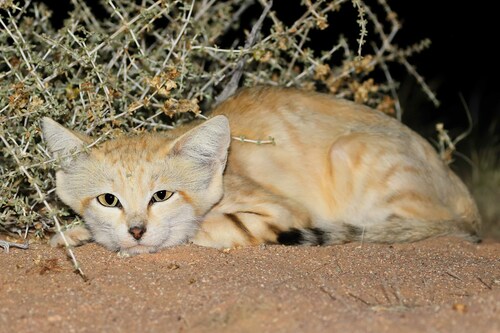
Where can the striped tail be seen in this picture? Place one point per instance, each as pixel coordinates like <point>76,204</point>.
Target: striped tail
<point>390,232</point>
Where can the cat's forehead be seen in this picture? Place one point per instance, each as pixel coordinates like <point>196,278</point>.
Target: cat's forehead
<point>145,143</point>
<point>130,151</point>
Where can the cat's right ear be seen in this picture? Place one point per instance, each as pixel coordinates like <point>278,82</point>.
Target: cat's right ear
<point>207,143</point>
<point>60,140</point>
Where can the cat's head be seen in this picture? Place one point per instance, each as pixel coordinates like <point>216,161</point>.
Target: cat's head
<point>141,193</point>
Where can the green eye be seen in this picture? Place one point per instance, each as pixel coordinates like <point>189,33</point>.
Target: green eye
<point>161,196</point>
<point>108,200</point>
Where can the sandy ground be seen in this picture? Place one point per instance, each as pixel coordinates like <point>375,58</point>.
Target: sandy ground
<point>438,285</point>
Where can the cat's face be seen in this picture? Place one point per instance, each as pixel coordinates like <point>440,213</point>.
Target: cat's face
<point>140,194</point>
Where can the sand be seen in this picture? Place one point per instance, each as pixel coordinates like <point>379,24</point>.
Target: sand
<point>437,285</point>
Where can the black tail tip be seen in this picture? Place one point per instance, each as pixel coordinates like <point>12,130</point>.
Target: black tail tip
<point>306,236</point>
<point>291,237</point>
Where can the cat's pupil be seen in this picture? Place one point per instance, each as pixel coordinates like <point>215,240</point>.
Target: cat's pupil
<point>109,198</point>
<point>160,196</point>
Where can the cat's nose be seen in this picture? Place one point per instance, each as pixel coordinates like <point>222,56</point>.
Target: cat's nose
<point>137,232</point>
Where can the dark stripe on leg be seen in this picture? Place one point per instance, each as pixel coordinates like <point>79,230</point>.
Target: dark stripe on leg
<point>238,224</point>
<point>274,228</point>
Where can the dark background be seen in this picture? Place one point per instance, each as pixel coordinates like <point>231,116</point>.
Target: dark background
<point>460,62</point>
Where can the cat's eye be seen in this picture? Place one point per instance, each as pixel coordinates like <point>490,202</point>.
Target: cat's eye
<point>108,200</point>
<point>161,196</point>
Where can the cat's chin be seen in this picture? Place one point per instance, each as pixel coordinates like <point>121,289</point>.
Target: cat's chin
<point>135,250</point>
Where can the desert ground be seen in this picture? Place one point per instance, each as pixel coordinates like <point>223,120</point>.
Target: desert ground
<point>436,285</point>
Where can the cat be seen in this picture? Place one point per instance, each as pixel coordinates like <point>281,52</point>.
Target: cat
<point>332,172</point>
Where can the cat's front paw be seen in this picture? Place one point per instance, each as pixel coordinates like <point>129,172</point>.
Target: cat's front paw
<point>75,236</point>
<point>123,254</point>
<point>136,250</point>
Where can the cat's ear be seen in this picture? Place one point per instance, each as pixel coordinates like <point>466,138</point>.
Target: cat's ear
<point>206,143</point>
<point>60,140</point>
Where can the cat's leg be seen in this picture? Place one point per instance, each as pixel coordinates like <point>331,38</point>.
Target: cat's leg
<point>78,235</point>
<point>249,215</point>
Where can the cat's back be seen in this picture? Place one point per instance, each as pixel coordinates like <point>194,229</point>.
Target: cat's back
<point>265,109</point>
<point>303,125</point>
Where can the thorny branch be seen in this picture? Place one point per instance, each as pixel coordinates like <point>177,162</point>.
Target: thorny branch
<point>233,84</point>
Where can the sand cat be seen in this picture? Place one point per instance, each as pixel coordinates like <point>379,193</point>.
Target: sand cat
<point>337,172</point>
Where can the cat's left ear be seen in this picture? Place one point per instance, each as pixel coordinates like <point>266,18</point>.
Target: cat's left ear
<point>206,143</point>
<point>60,140</point>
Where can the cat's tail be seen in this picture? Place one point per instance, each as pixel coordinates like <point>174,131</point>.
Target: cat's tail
<point>389,232</point>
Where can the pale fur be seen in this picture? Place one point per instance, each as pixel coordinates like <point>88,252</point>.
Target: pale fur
<point>338,172</point>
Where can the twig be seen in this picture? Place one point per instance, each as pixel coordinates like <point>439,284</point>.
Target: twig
<point>257,142</point>
<point>231,87</point>
<point>446,145</point>
<point>481,280</point>
<point>392,86</point>
<point>308,70</point>
<point>216,49</point>
<point>420,81</point>
<point>323,289</point>
<point>453,275</point>
<point>172,47</point>
<point>469,119</point>
<point>6,245</point>
<point>362,24</point>
<point>299,51</point>
<point>359,299</point>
